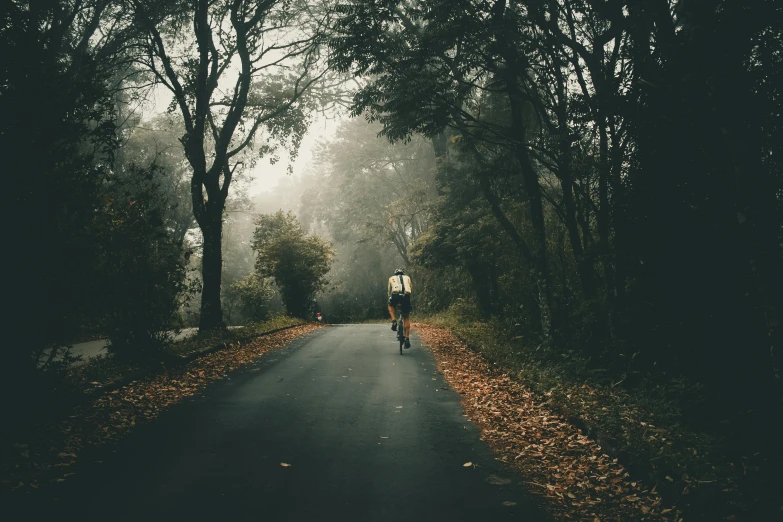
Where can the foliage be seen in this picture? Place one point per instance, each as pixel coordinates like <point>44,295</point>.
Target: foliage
<point>372,199</point>
<point>142,267</point>
<point>253,293</point>
<point>60,88</point>
<point>549,121</point>
<point>223,126</point>
<point>577,472</point>
<point>357,284</point>
<point>297,262</point>
<point>652,426</point>
<point>368,190</point>
<point>232,336</point>
<point>606,179</point>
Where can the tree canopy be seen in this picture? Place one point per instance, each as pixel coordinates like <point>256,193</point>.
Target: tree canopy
<point>298,262</point>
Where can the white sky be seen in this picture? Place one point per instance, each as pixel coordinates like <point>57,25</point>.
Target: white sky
<point>265,177</point>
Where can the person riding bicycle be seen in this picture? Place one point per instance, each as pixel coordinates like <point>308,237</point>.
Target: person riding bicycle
<point>399,291</point>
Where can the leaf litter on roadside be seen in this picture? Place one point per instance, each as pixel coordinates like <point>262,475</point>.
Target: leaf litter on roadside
<point>579,481</point>
<point>113,414</point>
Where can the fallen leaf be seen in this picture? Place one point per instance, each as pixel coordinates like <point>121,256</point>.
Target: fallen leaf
<point>497,481</point>
<point>467,465</point>
<point>285,465</point>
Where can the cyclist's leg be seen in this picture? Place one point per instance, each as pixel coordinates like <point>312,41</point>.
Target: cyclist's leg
<point>406,315</point>
<point>392,304</point>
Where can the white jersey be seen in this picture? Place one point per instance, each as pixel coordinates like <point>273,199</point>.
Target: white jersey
<point>400,284</point>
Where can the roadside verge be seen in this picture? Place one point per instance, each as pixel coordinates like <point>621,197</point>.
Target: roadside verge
<point>52,455</point>
<point>570,471</point>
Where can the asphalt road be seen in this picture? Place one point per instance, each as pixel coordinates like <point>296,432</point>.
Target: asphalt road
<point>370,436</point>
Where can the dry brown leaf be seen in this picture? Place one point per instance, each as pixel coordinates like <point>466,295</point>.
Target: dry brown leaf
<point>536,441</point>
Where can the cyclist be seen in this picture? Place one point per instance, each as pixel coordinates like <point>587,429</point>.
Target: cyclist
<point>399,291</point>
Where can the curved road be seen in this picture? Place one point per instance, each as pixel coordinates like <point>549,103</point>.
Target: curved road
<point>369,435</point>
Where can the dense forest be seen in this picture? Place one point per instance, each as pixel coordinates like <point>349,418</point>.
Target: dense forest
<point>599,180</point>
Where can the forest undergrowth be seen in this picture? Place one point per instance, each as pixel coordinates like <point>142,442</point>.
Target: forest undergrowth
<point>645,429</point>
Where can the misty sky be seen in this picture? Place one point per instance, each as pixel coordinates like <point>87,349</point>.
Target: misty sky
<point>265,177</point>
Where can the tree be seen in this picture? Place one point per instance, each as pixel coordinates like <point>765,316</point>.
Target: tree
<point>369,190</point>
<point>153,148</point>
<point>440,65</point>
<point>297,262</point>
<point>57,140</point>
<point>140,263</point>
<point>246,66</point>
<point>253,293</point>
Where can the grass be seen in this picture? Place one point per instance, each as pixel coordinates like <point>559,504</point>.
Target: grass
<point>644,427</point>
<point>201,342</point>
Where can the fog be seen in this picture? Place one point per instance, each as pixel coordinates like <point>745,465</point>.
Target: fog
<point>365,195</point>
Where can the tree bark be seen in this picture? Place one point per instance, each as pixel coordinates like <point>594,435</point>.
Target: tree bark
<point>512,72</point>
<point>566,176</point>
<point>211,270</point>
<point>585,267</point>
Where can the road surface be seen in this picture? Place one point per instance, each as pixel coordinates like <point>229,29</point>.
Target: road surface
<point>336,426</point>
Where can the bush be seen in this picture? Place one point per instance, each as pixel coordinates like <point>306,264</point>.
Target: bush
<point>142,271</point>
<point>253,293</point>
<point>298,262</point>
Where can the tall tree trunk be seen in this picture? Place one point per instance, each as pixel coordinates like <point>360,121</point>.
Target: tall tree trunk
<point>512,73</point>
<point>585,267</point>
<point>211,269</point>
<point>566,176</point>
<point>540,270</point>
<point>209,216</point>
<point>604,211</point>
<point>441,149</point>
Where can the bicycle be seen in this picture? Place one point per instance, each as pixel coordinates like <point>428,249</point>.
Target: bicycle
<point>400,326</point>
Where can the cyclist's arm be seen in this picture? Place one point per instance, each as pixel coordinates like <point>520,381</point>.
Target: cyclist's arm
<point>388,289</point>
